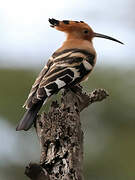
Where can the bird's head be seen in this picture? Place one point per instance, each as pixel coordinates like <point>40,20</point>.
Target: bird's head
<point>77,30</point>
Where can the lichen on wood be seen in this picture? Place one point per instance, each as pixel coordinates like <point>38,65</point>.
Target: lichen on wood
<point>61,137</point>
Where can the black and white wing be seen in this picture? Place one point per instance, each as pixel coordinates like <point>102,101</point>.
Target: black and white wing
<point>64,69</point>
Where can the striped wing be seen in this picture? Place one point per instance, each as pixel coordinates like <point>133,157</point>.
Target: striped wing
<point>35,86</point>
<point>66,68</point>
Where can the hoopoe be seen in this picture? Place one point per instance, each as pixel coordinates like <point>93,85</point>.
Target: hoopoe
<point>69,65</point>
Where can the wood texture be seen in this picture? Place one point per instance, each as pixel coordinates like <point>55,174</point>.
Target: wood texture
<point>61,137</point>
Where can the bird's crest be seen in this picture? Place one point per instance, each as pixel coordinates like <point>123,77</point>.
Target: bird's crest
<point>78,30</point>
<point>68,25</point>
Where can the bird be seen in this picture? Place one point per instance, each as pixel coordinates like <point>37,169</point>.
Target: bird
<point>69,65</point>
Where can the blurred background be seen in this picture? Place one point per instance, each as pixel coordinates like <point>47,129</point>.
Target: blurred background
<point>26,43</point>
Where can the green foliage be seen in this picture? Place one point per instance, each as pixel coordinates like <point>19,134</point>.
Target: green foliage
<point>15,85</point>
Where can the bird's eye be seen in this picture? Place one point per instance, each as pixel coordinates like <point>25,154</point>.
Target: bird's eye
<point>85,31</point>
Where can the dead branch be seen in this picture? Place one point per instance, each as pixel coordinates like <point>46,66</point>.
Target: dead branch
<point>61,137</point>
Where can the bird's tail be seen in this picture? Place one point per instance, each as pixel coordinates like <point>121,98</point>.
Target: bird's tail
<point>29,117</point>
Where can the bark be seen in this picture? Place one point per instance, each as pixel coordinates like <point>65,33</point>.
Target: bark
<point>61,137</point>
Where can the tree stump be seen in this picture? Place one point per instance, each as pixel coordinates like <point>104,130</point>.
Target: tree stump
<point>61,137</point>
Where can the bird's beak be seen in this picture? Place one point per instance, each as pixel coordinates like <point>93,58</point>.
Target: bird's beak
<point>106,37</point>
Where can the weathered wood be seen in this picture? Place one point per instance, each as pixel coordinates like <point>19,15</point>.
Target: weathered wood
<point>61,137</point>
<point>36,172</point>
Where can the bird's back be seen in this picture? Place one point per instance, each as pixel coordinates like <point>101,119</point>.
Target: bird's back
<point>65,67</point>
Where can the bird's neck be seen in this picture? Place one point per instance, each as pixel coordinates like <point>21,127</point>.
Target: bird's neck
<point>79,44</point>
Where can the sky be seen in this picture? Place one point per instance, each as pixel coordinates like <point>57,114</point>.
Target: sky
<point>27,39</point>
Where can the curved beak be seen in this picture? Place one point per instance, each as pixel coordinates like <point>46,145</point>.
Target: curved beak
<point>106,37</point>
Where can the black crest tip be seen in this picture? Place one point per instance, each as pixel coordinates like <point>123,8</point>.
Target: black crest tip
<point>66,21</point>
<point>53,22</point>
